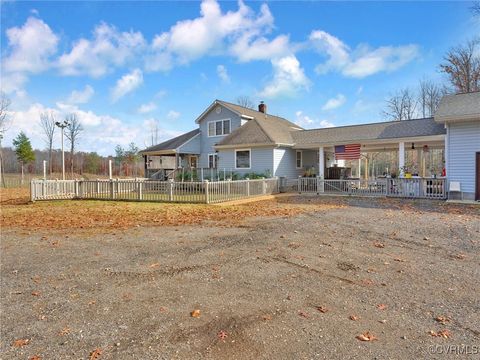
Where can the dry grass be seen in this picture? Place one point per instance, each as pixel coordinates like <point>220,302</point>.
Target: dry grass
<point>18,212</point>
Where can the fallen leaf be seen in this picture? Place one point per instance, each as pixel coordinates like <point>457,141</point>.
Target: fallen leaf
<point>400,260</point>
<point>95,354</point>
<point>20,342</point>
<point>154,265</point>
<point>162,309</point>
<point>322,309</point>
<point>222,335</point>
<point>442,319</point>
<point>35,357</point>
<point>379,245</point>
<point>64,332</point>
<point>442,333</point>
<point>267,317</point>
<point>195,313</point>
<point>366,336</point>
<point>382,306</point>
<point>303,314</point>
<point>460,256</point>
<point>35,293</point>
<point>353,317</point>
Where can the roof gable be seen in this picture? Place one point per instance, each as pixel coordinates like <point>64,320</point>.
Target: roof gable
<point>459,107</point>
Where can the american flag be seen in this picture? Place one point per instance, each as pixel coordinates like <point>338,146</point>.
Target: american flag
<point>347,152</point>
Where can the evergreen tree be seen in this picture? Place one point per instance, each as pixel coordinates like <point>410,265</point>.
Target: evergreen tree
<point>23,150</point>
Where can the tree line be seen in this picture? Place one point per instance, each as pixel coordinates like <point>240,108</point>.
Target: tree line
<point>461,65</point>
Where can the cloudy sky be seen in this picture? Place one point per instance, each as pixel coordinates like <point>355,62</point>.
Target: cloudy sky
<point>123,66</point>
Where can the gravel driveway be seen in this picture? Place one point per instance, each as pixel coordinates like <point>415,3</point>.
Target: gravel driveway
<point>300,287</point>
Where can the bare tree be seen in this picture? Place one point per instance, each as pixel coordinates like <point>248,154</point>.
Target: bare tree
<point>401,106</point>
<point>4,122</point>
<point>245,101</point>
<point>73,130</point>
<point>476,8</point>
<point>429,97</point>
<point>47,121</point>
<point>462,65</point>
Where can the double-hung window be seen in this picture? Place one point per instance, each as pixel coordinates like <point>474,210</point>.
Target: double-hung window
<point>212,160</point>
<point>219,127</point>
<point>242,159</point>
<point>299,159</point>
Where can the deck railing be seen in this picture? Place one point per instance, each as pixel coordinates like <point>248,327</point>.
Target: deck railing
<point>426,188</point>
<point>152,190</point>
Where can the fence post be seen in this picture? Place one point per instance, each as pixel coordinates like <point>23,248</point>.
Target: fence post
<point>248,186</point>
<point>44,188</point>
<point>264,186</point>
<point>299,184</point>
<point>140,190</point>
<point>170,189</point>
<point>207,195</point>
<point>98,187</point>
<point>112,191</point>
<point>32,190</point>
<point>75,188</point>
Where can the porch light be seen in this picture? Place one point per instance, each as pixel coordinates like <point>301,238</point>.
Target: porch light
<point>413,146</point>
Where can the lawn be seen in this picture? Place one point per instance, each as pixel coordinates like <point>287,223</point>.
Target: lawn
<point>297,277</point>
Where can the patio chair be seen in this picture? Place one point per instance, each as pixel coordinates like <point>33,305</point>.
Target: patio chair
<point>455,187</point>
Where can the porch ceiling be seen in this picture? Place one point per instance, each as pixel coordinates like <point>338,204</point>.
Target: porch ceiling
<point>433,142</point>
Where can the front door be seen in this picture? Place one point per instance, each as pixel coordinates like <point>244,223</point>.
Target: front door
<point>193,161</point>
<point>477,176</point>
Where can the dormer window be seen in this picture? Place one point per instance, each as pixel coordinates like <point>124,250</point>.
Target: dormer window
<point>219,127</point>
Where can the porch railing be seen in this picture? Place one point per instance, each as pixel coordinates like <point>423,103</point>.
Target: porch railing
<point>152,190</point>
<point>426,188</point>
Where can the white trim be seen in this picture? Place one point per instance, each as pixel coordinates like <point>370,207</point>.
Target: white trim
<point>274,145</point>
<point>301,159</point>
<point>215,121</point>
<point>249,159</point>
<point>212,105</point>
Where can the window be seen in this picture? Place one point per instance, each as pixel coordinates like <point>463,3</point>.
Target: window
<point>299,159</point>
<point>242,159</point>
<point>212,160</point>
<point>219,127</point>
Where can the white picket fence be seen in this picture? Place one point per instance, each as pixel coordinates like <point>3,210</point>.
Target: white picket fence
<point>152,190</point>
<point>423,188</point>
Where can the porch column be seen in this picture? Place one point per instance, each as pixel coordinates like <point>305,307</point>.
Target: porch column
<point>321,163</point>
<point>401,158</point>
<point>176,161</point>
<point>359,168</point>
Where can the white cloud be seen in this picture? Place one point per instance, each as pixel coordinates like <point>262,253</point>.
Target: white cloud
<point>30,47</point>
<point>307,122</point>
<point>126,84</point>
<point>223,73</point>
<point>173,115</point>
<point>239,33</point>
<point>335,102</point>
<point>108,49</point>
<point>81,96</point>
<point>363,61</point>
<point>288,78</point>
<point>147,108</point>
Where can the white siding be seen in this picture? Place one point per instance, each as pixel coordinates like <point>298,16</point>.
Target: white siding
<point>207,143</point>
<point>192,146</point>
<point>284,163</point>
<point>261,160</point>
<point>463,141</point>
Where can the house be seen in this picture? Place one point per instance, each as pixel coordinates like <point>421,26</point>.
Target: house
<point>245,141</point>
<point>460,115</point>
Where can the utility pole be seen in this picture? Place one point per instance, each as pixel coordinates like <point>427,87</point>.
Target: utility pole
<point>62,125</point>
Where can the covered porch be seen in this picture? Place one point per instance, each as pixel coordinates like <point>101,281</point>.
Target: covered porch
<point>403,166</point>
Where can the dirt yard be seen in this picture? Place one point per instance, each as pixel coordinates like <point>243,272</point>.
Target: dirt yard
<point>292,278</point>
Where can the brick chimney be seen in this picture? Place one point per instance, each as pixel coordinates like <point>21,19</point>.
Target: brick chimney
<point>262,107</point>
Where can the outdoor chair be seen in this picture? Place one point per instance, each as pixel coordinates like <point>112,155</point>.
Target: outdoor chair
<point>455,187</point>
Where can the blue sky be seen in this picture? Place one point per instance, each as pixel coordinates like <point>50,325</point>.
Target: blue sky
<point>124,66</point>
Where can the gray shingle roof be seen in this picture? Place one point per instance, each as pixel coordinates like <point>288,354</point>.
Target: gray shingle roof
<point>263,129</point>
<point>459,106</point>
<point>172,144</point>
<point>376,131</point>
